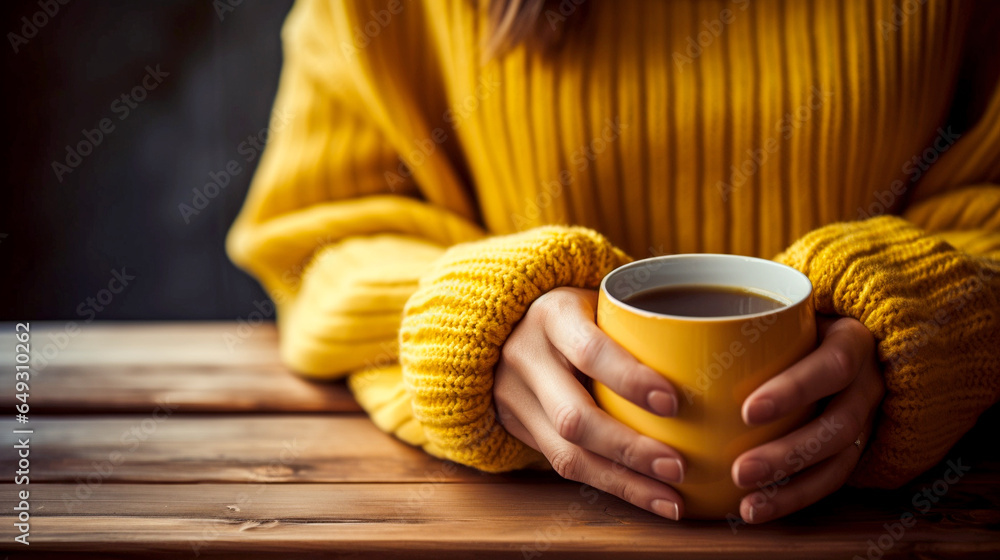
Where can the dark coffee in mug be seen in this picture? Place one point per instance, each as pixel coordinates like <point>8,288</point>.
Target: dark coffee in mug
<point>703,301</point>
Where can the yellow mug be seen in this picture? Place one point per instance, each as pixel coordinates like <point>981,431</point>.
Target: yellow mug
<point>713,362</point>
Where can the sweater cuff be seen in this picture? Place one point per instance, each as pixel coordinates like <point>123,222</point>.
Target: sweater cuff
<point>935,315</point>
<point>456,323</point>
<point>345,314</point>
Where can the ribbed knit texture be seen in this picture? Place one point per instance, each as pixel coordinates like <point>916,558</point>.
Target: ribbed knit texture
<point>455,325</point>
<point>935,313</point>
<point>667,126</point>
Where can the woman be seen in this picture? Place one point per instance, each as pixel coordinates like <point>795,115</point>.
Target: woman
<point>459,176</point>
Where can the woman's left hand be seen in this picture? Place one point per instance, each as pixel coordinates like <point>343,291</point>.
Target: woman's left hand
<point>810,463</point>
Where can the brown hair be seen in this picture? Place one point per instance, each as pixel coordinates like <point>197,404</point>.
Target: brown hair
<point>513,22</point>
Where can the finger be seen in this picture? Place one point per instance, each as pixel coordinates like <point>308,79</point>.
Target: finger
<point>575,463</point>
<point>509,392</point>
<point>516,428</point>
<point>530,424</point>
<point>790,495</point>
<point>836,429</point>
<point>575,417</point>
<point>776,501</point>
<point>570,328</point>
<point>824,322</point>
<point>832,432</point>
<point>847,346</point>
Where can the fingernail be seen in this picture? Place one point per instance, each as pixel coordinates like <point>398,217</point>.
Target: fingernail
<point>667,509</point>
<point>662,403</point>
<point>760,411</point>
<point>668,469</point>
<point>750,471</point>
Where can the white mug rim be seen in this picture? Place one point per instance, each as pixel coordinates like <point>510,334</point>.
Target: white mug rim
<point>802,284</point>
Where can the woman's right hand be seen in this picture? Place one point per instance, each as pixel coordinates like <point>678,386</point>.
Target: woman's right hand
<point>541,401</point>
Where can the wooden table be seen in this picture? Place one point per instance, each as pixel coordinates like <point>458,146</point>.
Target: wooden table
<point>165,440</point>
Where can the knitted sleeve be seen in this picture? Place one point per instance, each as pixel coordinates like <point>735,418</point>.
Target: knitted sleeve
<point>935,313</point>
<point>340,249</point>
<point>456,323</point>
<point>968,218</point>
<point>337,245</point>
<point>928,288</point>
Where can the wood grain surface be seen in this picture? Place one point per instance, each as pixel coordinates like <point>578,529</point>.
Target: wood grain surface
<point>230,448</point>
<point>156,440</point>
<point>543,518</point>
<point>133,367</point>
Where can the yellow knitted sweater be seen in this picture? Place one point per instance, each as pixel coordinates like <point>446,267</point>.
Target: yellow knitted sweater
<point>413,201</point>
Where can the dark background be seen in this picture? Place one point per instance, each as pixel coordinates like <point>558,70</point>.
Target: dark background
<point>60,241</point>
